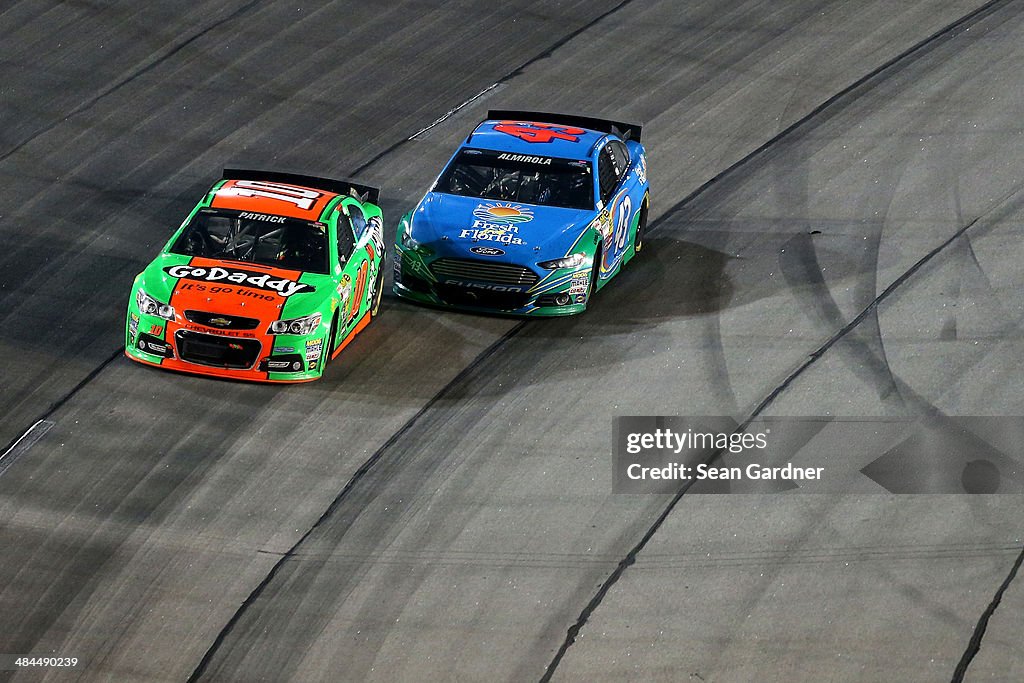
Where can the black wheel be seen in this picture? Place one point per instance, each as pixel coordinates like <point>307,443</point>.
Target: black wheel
<point>641,228</point>
<point>332,340</point>
<point>378,291</point>
<point>595,271</point>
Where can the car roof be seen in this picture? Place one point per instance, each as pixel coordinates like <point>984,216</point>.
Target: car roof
<point>274,198</point>
<point>529,137</point>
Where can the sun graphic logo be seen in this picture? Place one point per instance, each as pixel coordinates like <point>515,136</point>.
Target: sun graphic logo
<point>504,214</point>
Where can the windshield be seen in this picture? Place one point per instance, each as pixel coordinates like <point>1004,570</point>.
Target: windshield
<point>255,238</point>
<point>523,178</point>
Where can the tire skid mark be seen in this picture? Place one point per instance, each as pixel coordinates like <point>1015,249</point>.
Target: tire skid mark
<point>917,50</point>
<point>801,268</point>
<point>631,556</point>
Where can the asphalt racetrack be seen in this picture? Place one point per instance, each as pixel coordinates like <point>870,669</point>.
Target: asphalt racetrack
<point>836,229</point>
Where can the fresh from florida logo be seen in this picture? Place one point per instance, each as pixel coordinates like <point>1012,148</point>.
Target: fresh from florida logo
<point>245,278</point>
<point>503,214</point>
<point>489,232</point>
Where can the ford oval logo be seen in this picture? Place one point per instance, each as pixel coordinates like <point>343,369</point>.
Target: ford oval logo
<point>487,251</point>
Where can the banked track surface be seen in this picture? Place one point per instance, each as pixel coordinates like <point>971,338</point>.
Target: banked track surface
<point>156,504</point>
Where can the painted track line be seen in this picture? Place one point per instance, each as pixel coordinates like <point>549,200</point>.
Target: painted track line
<point>67,397</point>
<point>23,443</point>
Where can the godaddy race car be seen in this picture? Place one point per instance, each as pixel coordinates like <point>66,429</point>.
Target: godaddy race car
<point>270,276</point>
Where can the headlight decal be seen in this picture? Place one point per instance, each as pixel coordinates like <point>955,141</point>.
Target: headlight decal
<point>407,241</point>
<point>150,306</point>
<point>297,326</point>
<point>570,261</point>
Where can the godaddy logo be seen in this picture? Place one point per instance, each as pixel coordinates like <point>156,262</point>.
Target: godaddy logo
<point>246,278</point>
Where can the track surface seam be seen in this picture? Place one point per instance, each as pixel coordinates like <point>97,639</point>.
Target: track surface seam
<point>92,101</point>
<point>504,79</point>
<point>630,557</point>
<point>974,645</point>
<point>353,480</point>
<point>85,106</point>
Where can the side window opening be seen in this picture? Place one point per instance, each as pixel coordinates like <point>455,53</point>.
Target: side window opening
<point>355,215</point>
<point>620,156</point>
<point>346,238</point>
<point>606,175</point>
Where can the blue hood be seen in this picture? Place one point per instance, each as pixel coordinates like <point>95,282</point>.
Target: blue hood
<point>517,229</point>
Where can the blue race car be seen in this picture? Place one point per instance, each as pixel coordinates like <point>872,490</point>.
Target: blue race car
<point>532,215</point>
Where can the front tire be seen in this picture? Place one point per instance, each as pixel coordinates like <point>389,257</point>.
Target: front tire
<point>377,294</point>
<point>333,340</point>
<point>595,272</point>
<point>641,227</point>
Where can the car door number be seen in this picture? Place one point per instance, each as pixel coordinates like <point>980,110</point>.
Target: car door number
<point>622,215</point>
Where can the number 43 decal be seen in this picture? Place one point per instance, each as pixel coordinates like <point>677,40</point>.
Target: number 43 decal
<point>539,132</point>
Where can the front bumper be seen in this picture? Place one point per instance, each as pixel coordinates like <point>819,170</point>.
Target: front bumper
<point>559,293</point>
<point>252,357</point>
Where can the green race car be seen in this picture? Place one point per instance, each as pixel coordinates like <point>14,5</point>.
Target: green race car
<point>270,276</point>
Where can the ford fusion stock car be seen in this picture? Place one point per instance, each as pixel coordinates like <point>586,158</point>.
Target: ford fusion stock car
<point>533,214</point>
<point>269,276</point>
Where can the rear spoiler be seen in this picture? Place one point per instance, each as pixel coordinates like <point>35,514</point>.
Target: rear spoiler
<point>342,187</point>
<point>627,131</point>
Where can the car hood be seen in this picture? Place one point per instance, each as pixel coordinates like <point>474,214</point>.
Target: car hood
<point>234,288</point>
<point>452,225</point>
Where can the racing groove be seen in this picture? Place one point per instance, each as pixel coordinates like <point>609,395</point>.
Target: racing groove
<point>157,505</point>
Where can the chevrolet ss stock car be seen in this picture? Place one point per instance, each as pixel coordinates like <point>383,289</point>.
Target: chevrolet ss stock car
<point>533,214</point>
<point>269,276</point>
